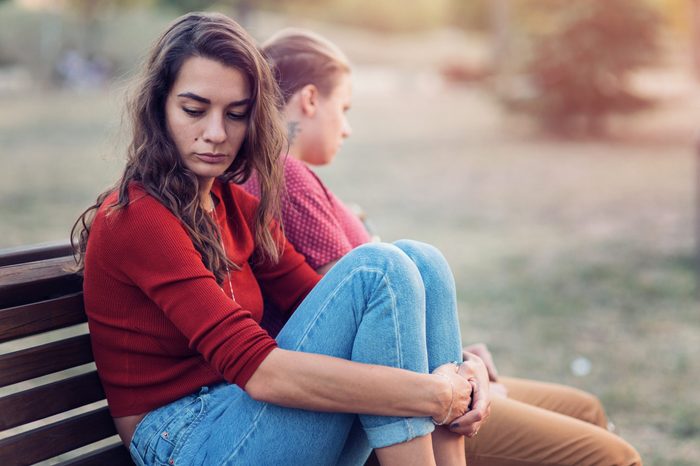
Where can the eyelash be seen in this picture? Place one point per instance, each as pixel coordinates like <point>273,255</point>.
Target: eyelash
<point>232,116</point>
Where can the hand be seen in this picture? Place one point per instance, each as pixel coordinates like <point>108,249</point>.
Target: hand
<point>483,352</point>
<point>474,370</point>
<point>460,397</point>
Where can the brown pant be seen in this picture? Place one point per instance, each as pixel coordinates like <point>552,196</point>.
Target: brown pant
<point>545,424</point>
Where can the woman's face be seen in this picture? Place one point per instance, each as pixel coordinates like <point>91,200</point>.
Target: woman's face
<point>329,125</point>
<point>206,113</point>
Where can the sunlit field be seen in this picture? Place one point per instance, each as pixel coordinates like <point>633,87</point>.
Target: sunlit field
<point>561,250</point>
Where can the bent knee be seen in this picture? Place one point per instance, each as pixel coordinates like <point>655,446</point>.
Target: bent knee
<point>590,409</point>
<point>394,263</point>
<point>415,248</point>
<point>622,454</point>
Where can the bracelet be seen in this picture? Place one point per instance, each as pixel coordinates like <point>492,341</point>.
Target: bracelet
<point>449,410</point>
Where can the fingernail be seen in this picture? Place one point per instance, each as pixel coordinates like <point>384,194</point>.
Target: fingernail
<point>454,425</point>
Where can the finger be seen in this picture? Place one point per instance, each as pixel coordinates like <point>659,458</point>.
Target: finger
<point>481,350</point>
<point>479,409</point>
<point>491,368</point>
<point>469,423</point>
<point>463,426</point>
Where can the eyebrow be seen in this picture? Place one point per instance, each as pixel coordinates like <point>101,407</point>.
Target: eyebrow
<point>198,98</point>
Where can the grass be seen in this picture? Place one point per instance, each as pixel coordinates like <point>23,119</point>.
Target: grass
<point>560,249</point>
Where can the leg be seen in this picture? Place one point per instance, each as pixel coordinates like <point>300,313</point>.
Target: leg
<point>441,322</point>
<point>369,308</point>
<point>558,398</point>
<point>442,331</point>
<point>517,434</point>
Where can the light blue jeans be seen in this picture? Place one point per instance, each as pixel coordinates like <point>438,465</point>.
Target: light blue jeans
<point>388,304</point>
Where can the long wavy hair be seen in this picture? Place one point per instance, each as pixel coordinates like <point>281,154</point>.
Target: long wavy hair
<point>299,57</point>
<point>153,159</point>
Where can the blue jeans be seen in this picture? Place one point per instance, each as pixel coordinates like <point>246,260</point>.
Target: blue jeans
<point>385,304</point>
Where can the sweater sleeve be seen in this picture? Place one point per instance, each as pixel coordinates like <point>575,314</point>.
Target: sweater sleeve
<point>150,249</point>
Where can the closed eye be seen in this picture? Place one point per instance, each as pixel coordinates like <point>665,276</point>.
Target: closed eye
<point>237,116</point>
<point>192,112</point>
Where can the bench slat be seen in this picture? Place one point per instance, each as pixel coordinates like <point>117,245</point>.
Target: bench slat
<point>22,254</point>
<point>52,440</point>
<point>37,281</point>
<point>30,319</point>
<point>47,400</point>
<point>112,455</point>
<point>41,360</point>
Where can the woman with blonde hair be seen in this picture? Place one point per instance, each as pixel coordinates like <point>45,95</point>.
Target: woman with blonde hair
<point>531,422</point>
<point>176,258</point>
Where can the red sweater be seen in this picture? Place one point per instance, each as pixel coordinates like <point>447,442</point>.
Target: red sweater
<point>161,326</point>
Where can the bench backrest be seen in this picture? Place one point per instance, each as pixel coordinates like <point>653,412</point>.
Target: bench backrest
<point>46,366</point>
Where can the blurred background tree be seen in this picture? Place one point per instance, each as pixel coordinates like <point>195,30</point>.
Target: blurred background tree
<point>580,61</point>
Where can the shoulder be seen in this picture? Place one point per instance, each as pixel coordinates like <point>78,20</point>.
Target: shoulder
<point>142,213</point>
<point>135,231</point>
<point>299,180</point>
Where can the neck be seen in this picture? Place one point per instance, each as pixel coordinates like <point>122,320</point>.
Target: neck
<point>205,199</point>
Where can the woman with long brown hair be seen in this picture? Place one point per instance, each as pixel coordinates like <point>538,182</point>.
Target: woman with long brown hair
<point>176,260</point>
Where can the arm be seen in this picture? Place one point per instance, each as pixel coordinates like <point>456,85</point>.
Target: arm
<point>323,383</point>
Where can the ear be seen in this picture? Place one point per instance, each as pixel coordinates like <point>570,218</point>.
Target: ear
<point>308,100</point>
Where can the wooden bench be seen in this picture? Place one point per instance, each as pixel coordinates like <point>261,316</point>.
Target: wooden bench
<point>51,400</point>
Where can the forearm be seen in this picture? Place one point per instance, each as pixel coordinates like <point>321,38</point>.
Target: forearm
<point>322,383</point>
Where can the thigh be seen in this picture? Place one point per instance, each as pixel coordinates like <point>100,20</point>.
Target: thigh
<point>561,399</point>
<point>521,434</point>
<point>370,307</point>
<point>239,430</point>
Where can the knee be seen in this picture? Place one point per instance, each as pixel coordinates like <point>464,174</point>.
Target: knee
<point>422,251</point>
<point>391,261</point>
<point>590,409</point>
<point>622,454</point>
<point>427,258</point>
<point>595,412</point>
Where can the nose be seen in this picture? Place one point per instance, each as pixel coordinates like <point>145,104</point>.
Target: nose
<point>215,129</point>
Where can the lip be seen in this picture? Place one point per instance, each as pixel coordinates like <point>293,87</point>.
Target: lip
<point>210,157</point>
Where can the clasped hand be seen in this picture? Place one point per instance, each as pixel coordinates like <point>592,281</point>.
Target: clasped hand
<point>471,403</point>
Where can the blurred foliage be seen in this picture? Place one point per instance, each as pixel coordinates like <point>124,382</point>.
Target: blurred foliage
<point>379,15</point>
<point>186,5</point>
<point>471,15</point>
<point>582,54</point>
